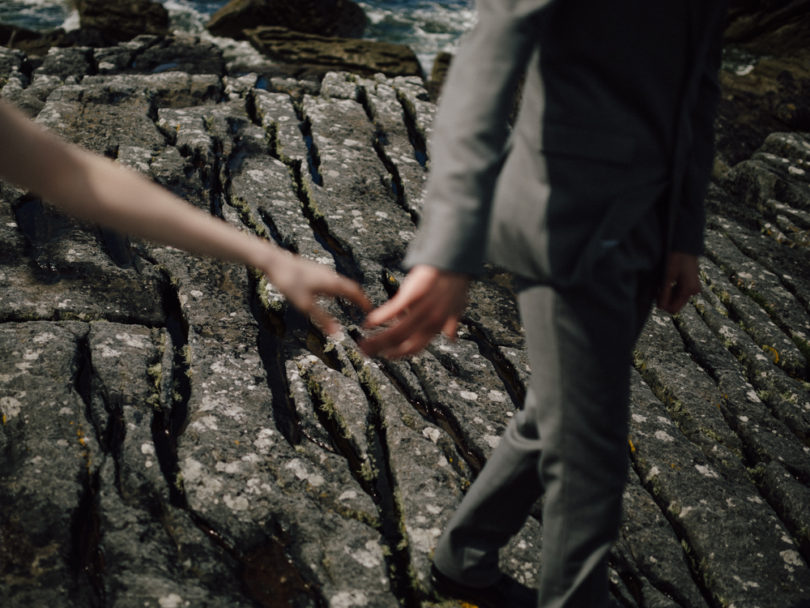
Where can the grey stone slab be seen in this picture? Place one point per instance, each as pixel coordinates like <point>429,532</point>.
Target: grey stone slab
<point>720,519</point>
<point>50,455</point>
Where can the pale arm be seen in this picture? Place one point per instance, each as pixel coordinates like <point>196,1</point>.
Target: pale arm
<point>94,188</point>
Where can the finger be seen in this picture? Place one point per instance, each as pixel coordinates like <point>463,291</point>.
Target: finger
<point>411,346</point>
<point>389,339</point>
<point>415,323</point>
<point>352,291</point>
<point>664,295</point>
<point>682,297</point>
<point>324,320</point>
<point>450,327</point>
<point>390,310</point>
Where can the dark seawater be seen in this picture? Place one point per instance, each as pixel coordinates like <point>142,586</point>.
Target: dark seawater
<point>427,26</point>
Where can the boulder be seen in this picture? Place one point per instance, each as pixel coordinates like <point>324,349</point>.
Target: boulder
<point>32,42</point>
<point>772,26</point>
<point>125,19</point>
<point>766,83</point>
<point>342,18</point>
<point>322,54</point>
<point>438,74</point>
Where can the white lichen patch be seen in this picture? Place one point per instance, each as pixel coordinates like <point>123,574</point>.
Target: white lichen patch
<point>44,338</point>
<point>139,341</point>
<point>264,440</point>
<point>492,440</point>
<point>727,333</point>
<point>432,433</point>
<point>348,599</point>
<point>205,423</point>
<point>652,473</point>
<point>752,396</point>
<point>105,351</point>
<point>231,468</point>
<point>348,495</point>
<point>706,471</point>
<point>423,539</point>
<point>238,503</point>
<point>496,396</point>
<point>468,395</point>
<point>639,419</point>
<point>792,559</point>
<point>746,585</point>
<point>300,471</point>
<point>370,556</point>
<point>200,483</point>
<point>256,487</point>
<point>10,407</point>
<point>664,436</point>
<point>172,601</point>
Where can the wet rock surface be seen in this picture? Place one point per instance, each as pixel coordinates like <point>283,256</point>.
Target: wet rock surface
<point>314,53</point>
<point>121,21</point>
<point>343,18</point>
<point>173,434</point>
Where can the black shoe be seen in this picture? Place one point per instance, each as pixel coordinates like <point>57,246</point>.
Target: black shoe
<point>506,592</point>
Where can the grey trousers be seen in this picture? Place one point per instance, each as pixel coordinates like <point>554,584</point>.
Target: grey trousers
<point>569,442</point>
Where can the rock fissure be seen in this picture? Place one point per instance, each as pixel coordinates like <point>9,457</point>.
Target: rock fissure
<point>680,532</point>
<point>435,413</point>
<point>87,557</point>
<point>271,349</point>
<point>505,369</point>
<point>415,134</point>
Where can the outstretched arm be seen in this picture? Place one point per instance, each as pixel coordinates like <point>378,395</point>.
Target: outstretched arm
<point>94,188</point>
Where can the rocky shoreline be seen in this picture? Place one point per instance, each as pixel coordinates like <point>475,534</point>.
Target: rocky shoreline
<point>174,435</point>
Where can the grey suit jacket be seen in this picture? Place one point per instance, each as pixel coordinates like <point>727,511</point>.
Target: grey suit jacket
<point>616,115</point>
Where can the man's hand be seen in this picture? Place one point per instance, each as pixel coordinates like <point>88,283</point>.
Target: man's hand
<point>429,301</point>
<point>681,282</point>
<point>302,281</point>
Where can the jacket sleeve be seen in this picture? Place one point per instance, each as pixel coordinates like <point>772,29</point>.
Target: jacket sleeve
<point>470,133</point>
<point>690,216</point>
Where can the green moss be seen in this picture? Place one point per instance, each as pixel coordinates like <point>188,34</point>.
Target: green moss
<point>363,517</point>
<point>309,203</point>
<point>178,482</point>
<point>368,471</point>
<point>155,373</point>
<point>273,307</point>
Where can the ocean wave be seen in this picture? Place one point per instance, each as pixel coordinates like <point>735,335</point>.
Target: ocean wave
<point>427,27</point>
<point>35,14</point>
